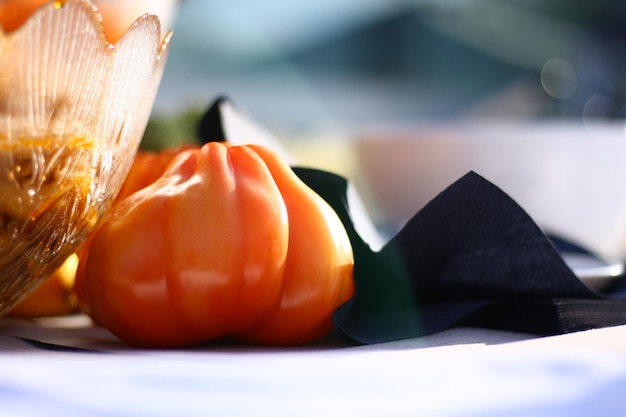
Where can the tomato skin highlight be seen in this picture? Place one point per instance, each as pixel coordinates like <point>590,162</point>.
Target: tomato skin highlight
<point>147,167</point>
<point>315,285</point>
<point>228,243</point>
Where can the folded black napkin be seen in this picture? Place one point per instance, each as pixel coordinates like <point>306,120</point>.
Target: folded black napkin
<point>472,257</point>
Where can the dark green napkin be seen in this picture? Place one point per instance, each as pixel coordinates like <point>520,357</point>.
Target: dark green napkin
<point>472,256</point>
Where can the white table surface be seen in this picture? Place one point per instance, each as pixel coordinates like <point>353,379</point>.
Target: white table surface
<point>459,372</point>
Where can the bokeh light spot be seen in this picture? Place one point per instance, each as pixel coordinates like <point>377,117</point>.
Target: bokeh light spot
<point>600,107</point>
<point>559,78</point>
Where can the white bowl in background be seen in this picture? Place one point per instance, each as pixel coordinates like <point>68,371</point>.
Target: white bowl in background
<point>569,177</point>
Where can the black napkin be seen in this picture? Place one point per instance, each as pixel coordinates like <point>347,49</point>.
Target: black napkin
<point>472,256</point>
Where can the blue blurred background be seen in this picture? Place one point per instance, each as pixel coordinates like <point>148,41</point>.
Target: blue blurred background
<point>302,64</point>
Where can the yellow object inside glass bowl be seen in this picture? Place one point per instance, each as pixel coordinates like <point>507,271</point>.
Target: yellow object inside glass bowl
<point>73,109</point>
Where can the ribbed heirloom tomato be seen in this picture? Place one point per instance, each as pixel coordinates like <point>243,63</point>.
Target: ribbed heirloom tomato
<point>228,243</point>
<point>57,295</point>
<point>148,166</point>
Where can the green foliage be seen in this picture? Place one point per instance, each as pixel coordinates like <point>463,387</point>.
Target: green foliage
<point>166,132</point>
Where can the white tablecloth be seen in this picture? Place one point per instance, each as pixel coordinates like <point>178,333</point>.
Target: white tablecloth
<point>66,367</point>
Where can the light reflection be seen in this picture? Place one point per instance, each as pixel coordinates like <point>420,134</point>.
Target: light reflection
<point>600,107</point>
<point>558,78</point>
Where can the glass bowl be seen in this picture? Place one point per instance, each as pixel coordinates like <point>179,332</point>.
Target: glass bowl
<point>73,108</point>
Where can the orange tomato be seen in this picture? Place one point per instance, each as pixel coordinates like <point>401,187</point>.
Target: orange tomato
<point>228,243</point>
<point>116,16</point>
<point>147,167</point>
<point>55,297</point>
<point>13,13</point>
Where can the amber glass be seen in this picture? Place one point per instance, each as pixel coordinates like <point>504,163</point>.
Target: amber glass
<point>73,109</point>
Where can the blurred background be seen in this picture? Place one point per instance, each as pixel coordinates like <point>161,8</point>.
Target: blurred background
<point>345,63</point>
<point>405,96</point>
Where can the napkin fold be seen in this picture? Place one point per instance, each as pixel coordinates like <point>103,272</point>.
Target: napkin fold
<point>472,256</point>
